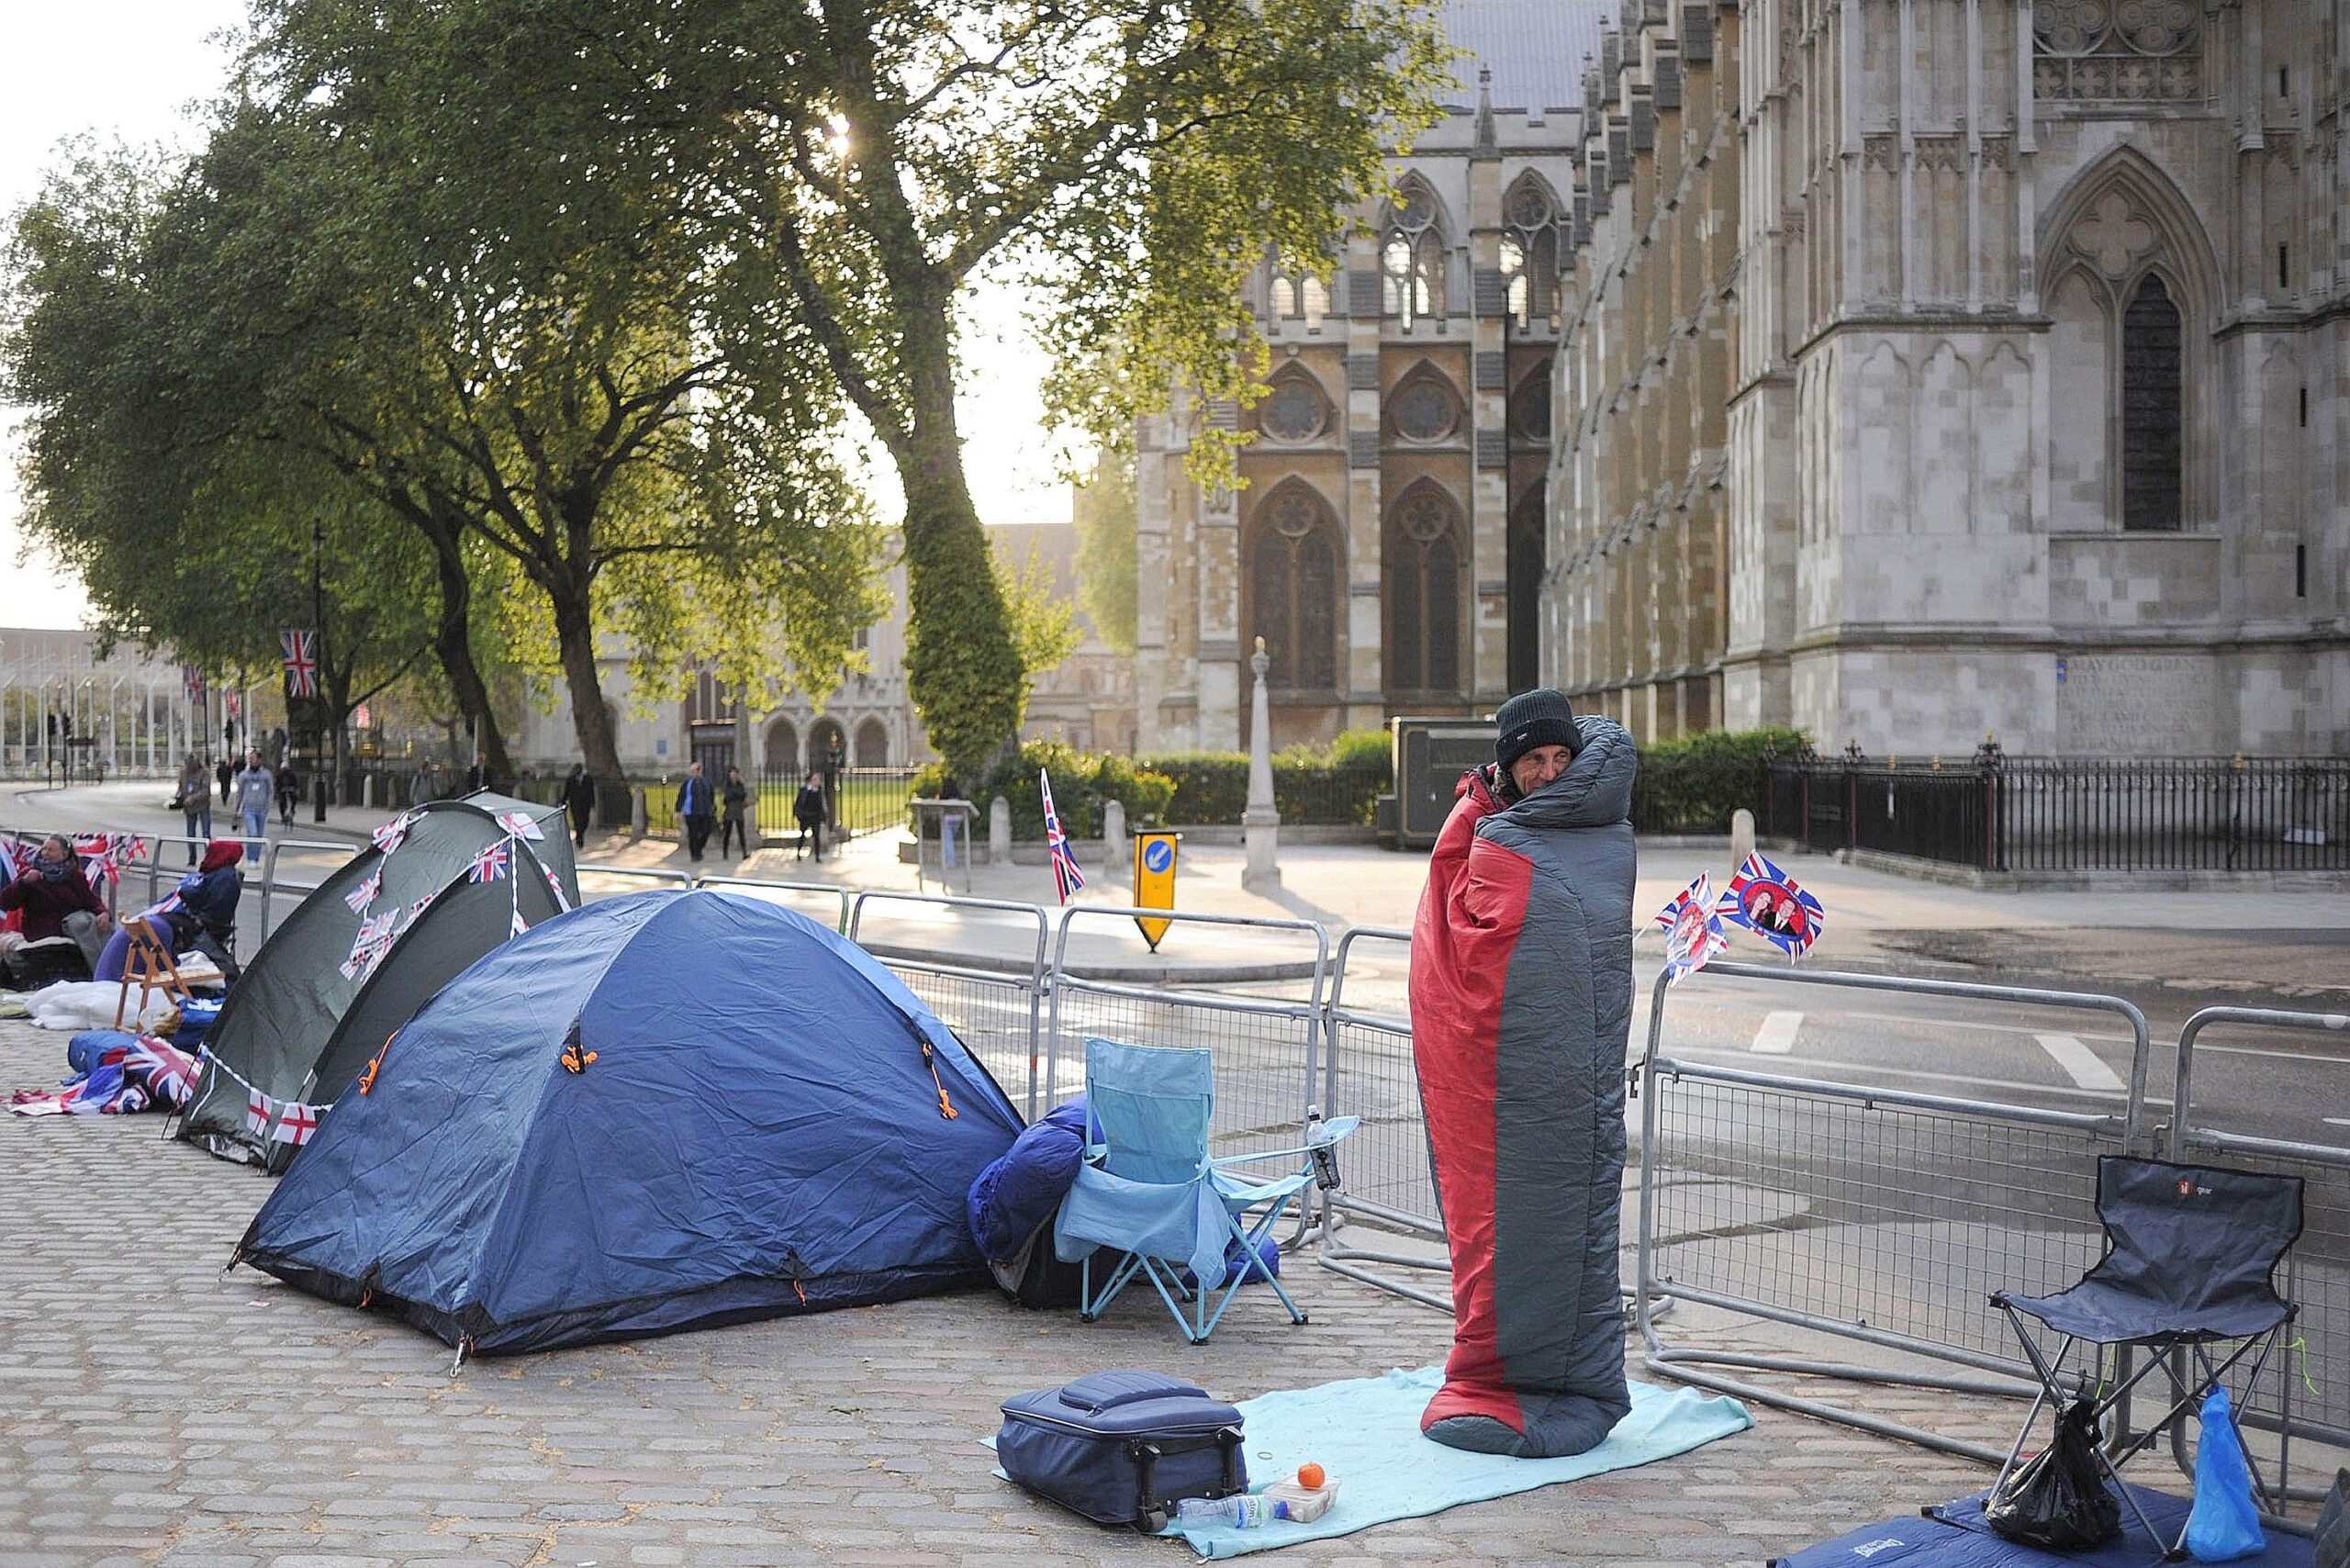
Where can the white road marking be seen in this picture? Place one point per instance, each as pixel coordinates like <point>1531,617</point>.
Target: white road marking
<point>2080,1063</point>
<point>2337,1121</point>
<point>1777,1036</point>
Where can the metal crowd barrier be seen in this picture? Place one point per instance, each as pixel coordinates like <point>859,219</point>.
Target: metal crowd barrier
<point>996,1012</point>
<point>1390,1187</point>
<point>2307,1398</point>
<point>1266,1046</point>
<point>1874,1215</point>
<point>829,892</point>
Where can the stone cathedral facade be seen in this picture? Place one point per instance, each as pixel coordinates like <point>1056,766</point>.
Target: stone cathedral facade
<point>1934,367</point>
<point>1387,543</point>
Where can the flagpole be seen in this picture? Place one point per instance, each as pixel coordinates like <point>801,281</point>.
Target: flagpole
<point>319,697</point>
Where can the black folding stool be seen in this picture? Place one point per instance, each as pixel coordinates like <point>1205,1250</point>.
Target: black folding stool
<point>2190,1261</point>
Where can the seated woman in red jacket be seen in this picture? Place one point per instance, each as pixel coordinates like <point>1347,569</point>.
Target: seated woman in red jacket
<point>63,922</point>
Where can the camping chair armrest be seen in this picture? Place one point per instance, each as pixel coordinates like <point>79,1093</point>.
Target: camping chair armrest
<point>1326,1135</point>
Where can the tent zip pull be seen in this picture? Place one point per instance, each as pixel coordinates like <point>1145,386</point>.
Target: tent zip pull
<point>945,1106</point>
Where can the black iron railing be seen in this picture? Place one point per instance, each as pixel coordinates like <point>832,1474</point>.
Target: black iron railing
<point>2049,813</point>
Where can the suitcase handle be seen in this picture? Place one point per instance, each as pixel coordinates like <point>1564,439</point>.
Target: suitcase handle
<point>1107,1391</point>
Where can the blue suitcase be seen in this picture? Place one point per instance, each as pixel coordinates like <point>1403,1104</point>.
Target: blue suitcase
<point>1123,1448</point>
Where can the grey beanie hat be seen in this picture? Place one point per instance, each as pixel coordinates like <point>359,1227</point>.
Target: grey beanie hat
<point>1536,718</point>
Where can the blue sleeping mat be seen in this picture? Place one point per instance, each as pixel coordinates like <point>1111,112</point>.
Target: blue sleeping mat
<point>1953,1535</point>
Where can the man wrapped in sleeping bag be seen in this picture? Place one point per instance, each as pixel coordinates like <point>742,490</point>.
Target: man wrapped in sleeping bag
<point>1521,994</point>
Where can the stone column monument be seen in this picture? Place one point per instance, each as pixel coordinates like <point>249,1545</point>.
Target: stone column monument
<point>1260,824</point>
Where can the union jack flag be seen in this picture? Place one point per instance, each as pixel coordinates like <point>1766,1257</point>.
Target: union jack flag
<point>416,910</point>
<point>387,837</point>
<point>192,681</point>
<point>168,1072</point>
<point>522,823</point>
<point>234,702</point>
<point>360,897</point>
<point>1774,906</point>
<point>297,1124</point>
<point>490,864</point>
<point>520,925</point>
<point>1067,878</point>
<point>554,886</point>
<point>1694,937</point>
<point>301,662</point>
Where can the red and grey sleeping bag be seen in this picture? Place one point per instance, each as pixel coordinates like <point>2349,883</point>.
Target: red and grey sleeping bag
<point>1521,1005</point>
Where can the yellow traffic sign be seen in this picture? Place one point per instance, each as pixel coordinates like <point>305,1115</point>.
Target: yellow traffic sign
<point>1155,880</point>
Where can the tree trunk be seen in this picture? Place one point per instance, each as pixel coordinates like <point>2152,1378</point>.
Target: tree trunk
<point>575,636</point>
<point>453,644</point>
<point>961,669</point>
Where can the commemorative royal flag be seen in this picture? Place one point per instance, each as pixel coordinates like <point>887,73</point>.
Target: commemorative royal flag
<point>389,836</point>
<point>1692,933</point>
<point>360,897</point>
<point>1774,906</point>
<point>259,1111</point>
<point>296,1124</point>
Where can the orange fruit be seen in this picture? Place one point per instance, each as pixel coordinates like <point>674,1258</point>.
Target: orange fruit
<point>1310,1476</point>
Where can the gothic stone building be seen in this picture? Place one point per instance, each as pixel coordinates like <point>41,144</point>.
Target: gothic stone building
<point>1931,367</point>
<point>1387,541</point>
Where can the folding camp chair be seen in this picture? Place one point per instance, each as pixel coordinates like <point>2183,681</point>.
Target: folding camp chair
<point>2190,1262</point>
<point>149,964</point>
<point>1148,1188</point>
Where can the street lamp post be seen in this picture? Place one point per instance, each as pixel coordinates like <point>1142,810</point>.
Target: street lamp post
<point>318,686</point>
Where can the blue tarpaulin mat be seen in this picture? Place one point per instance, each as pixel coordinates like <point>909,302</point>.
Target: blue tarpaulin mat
<point>1366,1433</point>
<point>1953,1535</point>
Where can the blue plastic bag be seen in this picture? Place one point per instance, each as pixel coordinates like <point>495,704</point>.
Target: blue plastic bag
<point>2225,1522</point>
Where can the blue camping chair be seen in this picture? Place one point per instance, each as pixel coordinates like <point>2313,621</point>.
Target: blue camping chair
<point>2190,1262</point>
<point>1148,1189</point>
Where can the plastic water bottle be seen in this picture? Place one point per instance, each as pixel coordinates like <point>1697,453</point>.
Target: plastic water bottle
<point>1241,1511</point>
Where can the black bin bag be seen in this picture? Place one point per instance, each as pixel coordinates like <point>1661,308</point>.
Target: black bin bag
<point>2057,1500</point>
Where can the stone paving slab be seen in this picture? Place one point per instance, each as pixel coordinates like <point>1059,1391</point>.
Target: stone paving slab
<point>153,1412</point>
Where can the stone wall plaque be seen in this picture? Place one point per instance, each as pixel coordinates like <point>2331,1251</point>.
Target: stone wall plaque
<point>2137,705</point>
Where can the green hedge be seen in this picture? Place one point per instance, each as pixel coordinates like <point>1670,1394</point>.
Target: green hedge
<point>1685,786</point>
<point>1694,784</point>
<point>1083,782</point>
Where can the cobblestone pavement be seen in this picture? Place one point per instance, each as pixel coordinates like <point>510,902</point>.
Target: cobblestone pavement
<point>152,1411</point>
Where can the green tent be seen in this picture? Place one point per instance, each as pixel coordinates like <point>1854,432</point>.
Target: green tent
<point>349,965</point>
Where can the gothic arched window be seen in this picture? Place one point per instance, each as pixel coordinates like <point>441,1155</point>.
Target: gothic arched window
<point>1424,575</point>
<point>1411,257</point>
<point>1295,409</point>
<point>1294,589</point>
<point>2150,410</point>
<point>1529,250</point>
<point>1423,407</point>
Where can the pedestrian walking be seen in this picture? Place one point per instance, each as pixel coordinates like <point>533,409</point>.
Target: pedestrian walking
<point>735,801</point>
<point>289,791</point>
<point>194,803</point>
<point>424,785</point>
<point>478,776</point>
<point>808,809</point>
<point>579,800</point>
<point>227,774</point>
<point>256,791</point>
<point>694,811</point>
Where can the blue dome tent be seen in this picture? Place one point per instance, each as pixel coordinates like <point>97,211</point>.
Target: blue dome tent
<point>655,1112</point>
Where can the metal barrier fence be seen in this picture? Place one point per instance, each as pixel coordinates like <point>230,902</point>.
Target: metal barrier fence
<point>1266,1046</point>
<point>2310,1398</point>
<point>1390,1186</point>
<point>997,1013</point>
<point>1869,1214</point>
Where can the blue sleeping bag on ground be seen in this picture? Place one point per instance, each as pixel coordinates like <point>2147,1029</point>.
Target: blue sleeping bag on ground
<point>1019,1191</point>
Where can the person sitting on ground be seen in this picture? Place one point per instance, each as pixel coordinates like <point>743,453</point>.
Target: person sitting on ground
<point>64,925</point>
